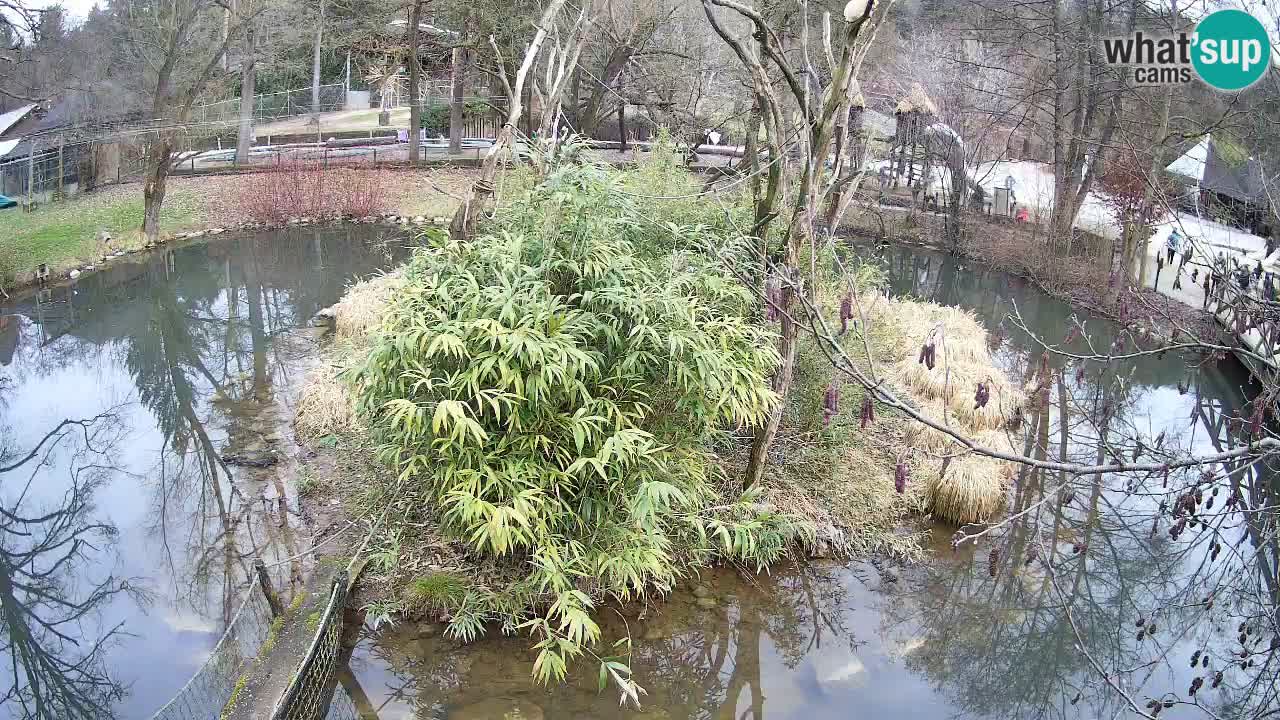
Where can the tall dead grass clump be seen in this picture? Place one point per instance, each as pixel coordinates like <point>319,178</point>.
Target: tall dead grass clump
<point>961,486</point>
<point>325,405</point>
<point>361,309</point>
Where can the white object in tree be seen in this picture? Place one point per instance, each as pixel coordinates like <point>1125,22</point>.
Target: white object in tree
<point>855,9</point>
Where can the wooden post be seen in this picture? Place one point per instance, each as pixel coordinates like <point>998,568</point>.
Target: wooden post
<point>61,169</point>
<point>31,175</point>
<point>268,591</point>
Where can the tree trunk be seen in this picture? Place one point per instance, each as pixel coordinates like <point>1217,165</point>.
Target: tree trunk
<point>457,101</point>
<point>248,78</point>
<point>799,234</point>
<point>154,187</point>
<point>315,68</point>
<point>468,214</point>
<point>622,120</point>
<point>1148,209</point>
<point>415,78</point>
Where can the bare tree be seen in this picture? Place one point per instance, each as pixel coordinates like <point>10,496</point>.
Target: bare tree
<point>177,49</point>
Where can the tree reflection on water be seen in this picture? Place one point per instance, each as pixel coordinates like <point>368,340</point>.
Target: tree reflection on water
<point>54,642</point>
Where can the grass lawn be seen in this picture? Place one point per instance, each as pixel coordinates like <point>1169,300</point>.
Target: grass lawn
<point>64,234</point>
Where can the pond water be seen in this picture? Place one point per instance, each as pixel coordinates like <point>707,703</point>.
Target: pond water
<point>957,636</point>
<point>125,539</point>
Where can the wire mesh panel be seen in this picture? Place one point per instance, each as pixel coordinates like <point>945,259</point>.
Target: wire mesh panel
<point>312,687</point>
<point>208,691</point>
<point>342,707</point>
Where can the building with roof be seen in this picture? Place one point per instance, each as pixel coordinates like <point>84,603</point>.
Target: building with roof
<point>38,159</point>
<point>1223,182</point>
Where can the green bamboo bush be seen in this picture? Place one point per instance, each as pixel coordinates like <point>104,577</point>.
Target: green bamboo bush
<point>553,387</point>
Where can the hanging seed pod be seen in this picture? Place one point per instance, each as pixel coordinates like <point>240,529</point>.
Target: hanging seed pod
<point>1075,699</point>
<point>1033,552</point>
<point>1217,679</point>
<point>1080,375</point>
<point>1213,554</point>
<point>846,313</point>
<point>1208,504</point>
<point>1243,638</point>
<point>1140,621</point>
<point>830,404</point>
<point>1204,661</point>
<point>1077,548</point>
<point>1182,388</point>
<point>927,353</point>
<point>900,477</point>
<point>867,414</point>
<point>1195,658</point>
<point>1167,704</point>
<point>981,397</point>
<point>1242,627</point>
<point>1138,449</point>
<point>1142,634</point>
<point>993,561</point>
<point>1196,682</point>
<point>1151,627</point>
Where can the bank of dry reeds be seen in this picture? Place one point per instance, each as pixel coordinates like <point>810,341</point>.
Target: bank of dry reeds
<point>962,486</point>
<point>326,405</point>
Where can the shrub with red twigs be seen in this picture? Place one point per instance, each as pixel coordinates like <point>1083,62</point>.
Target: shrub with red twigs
<point>309,189</point>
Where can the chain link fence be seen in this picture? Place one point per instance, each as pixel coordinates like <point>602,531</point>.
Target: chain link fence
<point>208,691</point>
<point>311,689</point>
<point>270,106</point>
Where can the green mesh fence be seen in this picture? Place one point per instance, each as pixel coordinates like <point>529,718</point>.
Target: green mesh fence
<point>311,688</point>
<point>204,696</point>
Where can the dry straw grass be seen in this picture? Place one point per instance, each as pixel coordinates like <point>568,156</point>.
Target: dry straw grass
<point>970,488</point>
<point>325,406</point>
<point>361,310</point>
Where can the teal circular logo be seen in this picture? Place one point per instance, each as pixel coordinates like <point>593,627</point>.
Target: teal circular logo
<point>1232,50</point>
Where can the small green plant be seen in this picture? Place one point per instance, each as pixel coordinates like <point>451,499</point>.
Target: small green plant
<point>313,621</point>
<point>307,481</point>
<point>382,612</point>
<point>242,682</point>
<point>327,441</point>
<point>439,592</point>
<point>387,558</point>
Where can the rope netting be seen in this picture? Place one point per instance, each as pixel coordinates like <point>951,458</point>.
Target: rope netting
<point>208,691</point>
<point>311,687</point>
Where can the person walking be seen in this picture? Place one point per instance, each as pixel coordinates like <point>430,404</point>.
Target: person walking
<point>1172,244</point>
